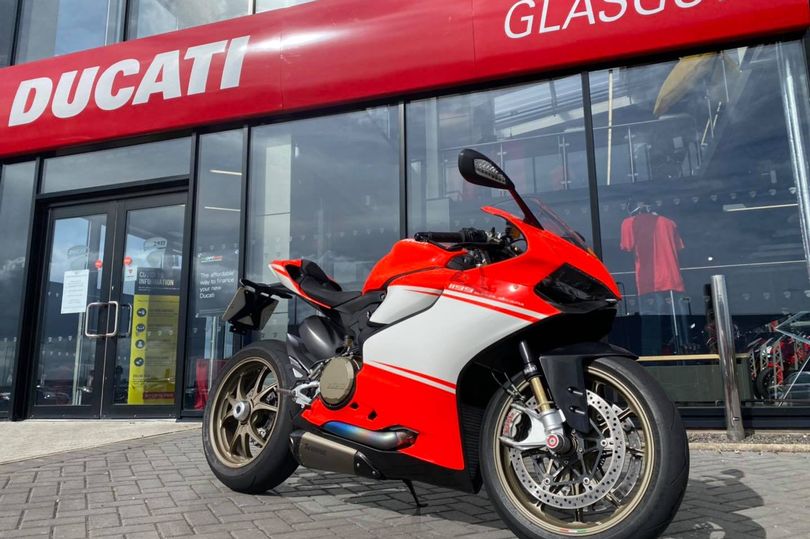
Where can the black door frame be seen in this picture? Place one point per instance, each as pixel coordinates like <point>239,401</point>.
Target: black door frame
<point>54,214</point>
<point>178,190</point>
<point>109,409</point>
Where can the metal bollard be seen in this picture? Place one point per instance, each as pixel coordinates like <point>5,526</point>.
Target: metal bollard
<point>725,347</point>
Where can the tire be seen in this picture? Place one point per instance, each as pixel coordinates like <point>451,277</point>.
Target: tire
<point>273,463</point>
<point>655,498</point>
<point>764,384</point>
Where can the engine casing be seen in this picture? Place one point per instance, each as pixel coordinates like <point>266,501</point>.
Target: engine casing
<point>337,381</point>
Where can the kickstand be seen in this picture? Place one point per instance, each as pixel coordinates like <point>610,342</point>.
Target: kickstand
<point>409,484</point>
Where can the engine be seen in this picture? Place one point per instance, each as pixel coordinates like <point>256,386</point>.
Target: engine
<point>322,343</point>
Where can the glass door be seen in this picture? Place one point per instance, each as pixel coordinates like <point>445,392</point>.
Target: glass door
<point>147,285</point>
<point>107,337</point>
<point>74,313</point>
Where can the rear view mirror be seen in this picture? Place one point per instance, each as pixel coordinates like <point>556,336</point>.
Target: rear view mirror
<point>477,168</point>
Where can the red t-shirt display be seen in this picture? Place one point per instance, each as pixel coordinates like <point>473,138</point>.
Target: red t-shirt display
<point>655,241</point>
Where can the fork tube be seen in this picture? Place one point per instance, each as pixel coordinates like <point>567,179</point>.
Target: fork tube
<point>532,374</point>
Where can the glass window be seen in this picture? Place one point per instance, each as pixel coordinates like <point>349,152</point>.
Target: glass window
<point>146,353</point>
<point>8,18</point>
<point>699,162</point>
<point>216,260</point>
<point>118,165</point>
<point>150,17</point>
<point>16,194</point>
<point>535,132</point>
<point>53,27</point>
<point>269,5</point>
<point>325,189</point>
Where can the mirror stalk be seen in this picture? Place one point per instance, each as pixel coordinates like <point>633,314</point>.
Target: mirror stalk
<point>528,216</point>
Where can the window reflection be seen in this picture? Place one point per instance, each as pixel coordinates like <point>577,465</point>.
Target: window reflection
<point>118,165</point>
<point>697,176</point>
<point>16,192</point>
<point>535,132</point>
<point>270,5</point>
<point>67,359</point>
<point>8,16</point>
<point>53,27</point>
<point>216,260</point>
<point>150,17</point>
<point>324,189</point>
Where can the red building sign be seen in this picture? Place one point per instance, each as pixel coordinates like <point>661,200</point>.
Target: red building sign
<point>327,53</point>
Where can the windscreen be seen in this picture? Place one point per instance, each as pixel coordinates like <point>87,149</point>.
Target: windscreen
<point>548,220</point>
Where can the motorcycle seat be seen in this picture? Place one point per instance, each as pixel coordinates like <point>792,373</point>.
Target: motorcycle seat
<point>316,284</point>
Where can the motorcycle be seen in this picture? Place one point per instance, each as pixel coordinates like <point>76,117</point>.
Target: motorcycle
<point>470,359</point>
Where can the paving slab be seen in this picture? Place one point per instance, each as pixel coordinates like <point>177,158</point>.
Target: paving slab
<point>161,487</point>
<point>22,440</point>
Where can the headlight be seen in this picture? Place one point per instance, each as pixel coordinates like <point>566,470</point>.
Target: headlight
<point>567,286</point>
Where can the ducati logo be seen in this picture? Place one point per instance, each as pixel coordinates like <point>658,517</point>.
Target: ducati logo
<point>128,82</point>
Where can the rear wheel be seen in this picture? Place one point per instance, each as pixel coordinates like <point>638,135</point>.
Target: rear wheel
<point>247,422</point>
<point>626,478</point>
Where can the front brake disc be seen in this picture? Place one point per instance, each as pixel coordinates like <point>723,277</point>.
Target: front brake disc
<point>591,489</point>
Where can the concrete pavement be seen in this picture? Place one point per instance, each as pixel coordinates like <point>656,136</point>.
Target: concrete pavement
<point>30,439</point>
<point>161,487</point>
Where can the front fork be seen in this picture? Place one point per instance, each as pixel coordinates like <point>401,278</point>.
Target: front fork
<point>549,416</point>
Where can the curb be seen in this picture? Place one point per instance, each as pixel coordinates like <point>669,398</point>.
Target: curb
<point>749,448</point>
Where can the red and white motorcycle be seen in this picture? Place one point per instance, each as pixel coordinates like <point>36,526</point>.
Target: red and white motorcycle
<point>469,358</point>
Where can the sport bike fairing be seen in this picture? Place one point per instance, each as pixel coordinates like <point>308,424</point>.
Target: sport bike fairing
<point>440,319</point>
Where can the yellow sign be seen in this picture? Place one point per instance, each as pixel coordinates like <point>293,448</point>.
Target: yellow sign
<point>153,350</point>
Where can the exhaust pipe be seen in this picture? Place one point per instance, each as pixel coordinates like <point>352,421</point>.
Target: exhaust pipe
<point>313,451</point>
<point>386,440</point>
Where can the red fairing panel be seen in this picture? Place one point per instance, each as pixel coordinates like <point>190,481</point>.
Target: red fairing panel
<point>407,257</point>
<point>400,397</point>
<point>325,53</point>
<point>411,368</point>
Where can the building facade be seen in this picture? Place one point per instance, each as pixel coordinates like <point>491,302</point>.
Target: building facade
<point>153,152</point>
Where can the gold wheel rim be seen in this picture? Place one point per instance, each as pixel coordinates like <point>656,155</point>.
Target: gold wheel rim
<point>243,412</point>
<point>533,511</point>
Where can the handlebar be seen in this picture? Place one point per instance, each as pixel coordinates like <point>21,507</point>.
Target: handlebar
<point>465,235</point>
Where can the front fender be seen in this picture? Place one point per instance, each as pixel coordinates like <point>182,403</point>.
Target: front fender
<point>564,370</point>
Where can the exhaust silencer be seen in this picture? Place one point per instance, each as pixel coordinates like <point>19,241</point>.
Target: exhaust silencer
<point>313,451</point>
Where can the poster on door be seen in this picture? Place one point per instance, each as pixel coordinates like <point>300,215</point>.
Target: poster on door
<point>153,350</point>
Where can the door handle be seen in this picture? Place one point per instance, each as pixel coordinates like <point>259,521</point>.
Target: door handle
<point>114,332</point>
<point>127,328</point>
<point>87,320</point>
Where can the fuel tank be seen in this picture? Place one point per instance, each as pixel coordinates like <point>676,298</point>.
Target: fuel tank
<point>407,256</point>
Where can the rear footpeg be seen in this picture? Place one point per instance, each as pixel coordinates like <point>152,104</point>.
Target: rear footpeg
<point>317,452</point>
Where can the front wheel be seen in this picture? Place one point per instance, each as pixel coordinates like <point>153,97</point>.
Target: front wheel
<point>624,479</point>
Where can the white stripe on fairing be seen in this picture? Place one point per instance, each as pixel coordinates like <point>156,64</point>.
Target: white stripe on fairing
<point>439,341</point>
<point>495,303</point>
<point>411,376</point>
